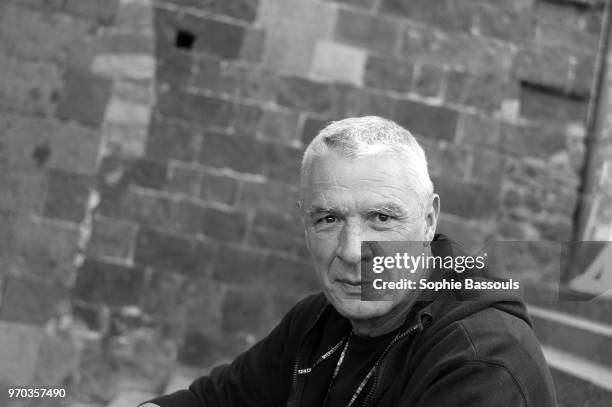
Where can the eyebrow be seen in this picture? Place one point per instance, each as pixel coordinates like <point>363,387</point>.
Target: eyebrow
<point>390,208</point>
<point>318,209</point>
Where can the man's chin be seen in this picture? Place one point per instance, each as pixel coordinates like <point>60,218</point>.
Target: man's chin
<point>356,309</point>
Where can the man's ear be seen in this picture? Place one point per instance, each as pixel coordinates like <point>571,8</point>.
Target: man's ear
<point>431,217</point>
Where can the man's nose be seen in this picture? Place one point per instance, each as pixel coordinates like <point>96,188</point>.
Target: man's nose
<point>349,246</point>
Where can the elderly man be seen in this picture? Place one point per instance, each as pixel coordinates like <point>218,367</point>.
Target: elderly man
<point>366,180</point>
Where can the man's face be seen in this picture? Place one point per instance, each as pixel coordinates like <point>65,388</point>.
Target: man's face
<point>347,201</point>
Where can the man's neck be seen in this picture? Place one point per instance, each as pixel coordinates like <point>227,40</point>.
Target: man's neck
<point>381,326</point>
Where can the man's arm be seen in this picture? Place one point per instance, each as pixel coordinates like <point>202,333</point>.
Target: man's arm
<point>482,384</point>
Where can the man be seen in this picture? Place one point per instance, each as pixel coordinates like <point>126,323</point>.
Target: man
<point>366,180</point>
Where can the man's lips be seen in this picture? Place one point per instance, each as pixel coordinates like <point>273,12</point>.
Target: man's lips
<point>353,283</point>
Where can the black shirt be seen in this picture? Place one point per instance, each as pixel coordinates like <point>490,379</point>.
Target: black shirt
<point>361,355</point>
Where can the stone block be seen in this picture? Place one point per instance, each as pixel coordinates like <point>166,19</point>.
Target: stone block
<point>476,55</point>
<point>112,238</point>
<point>146,173</point>
<point>279,125</point>
<point>444,159</point>
<point>218,188</point>
<point>293,277</point>
<point>209,36</point>
<point>121,43</point>
<point>487,167</point>
<point>367,4</point>
<point>40,36</point>
<point>246,120</point>
<point>117,172</point>
<point>19,346</point>
<point>537,104</point>
<point>278,233</point>
<point>557,13</point>
<point>84,98</point>
<point>175,68</point>
<point>42,250</point>
<point>583,76</point>
<point>30,142</point>
<point>109,284</point>
<point>103,11</point>
<point>371,32</point>
<point>575,40</point>
<point>312,127</point>
<point>338,62</point>
<point>139,206</point>
<point>27,190</point>
<point>253,45</point>
<point>136,67</point>
<point>349,101</point>
<point>171,253</point>
<point>250,82</point>
<point>429,80</point>
<point>304,94</point>
<point>429,121</point>
<point>240,9</point>
<point>31,302</point>
<point>268,197</point>
<point>239,266</point>
<point>223,225</point>
<point>238,153</point>
<point>195,108</point>
<point>125,139</point>
<point>207,73</point>
<point>283,162</point>
<point>478,130</point>
<point>169,140</point>
<point>183,180</point>
<point>525,141</point>
<point>246,312</point>
<point>389,74</point>
<point>488,94</point>
<point>456,82</point>
<point>67,196</point>
<point>30,85</point>
<point>135,17</point>
<point>545,66</point>
<point>290,40</point>
<point>468,200</point>
<point>446,14</point>
<point>555,229</point>
<point>505,23</point>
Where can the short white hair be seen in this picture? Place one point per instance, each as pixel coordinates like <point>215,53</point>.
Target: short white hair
<point>370,135</point>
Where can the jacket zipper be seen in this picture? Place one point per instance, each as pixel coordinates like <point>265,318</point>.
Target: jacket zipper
<point>419,326</point>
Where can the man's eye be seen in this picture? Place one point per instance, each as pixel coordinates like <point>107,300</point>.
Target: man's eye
<point>381,217</point>
<point>329,219</point>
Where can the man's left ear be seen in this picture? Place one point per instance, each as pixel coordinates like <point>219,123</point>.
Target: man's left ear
<point>431,217</point>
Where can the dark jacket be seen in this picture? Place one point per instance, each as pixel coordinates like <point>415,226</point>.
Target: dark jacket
<point>459,349</point>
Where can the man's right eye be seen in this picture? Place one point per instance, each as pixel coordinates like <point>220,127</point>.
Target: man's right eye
<point>327,219</point>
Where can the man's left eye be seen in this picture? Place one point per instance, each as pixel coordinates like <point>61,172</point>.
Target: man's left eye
<point>381,217</point>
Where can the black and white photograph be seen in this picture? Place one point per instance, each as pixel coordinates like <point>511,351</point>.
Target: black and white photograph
<point>305,203</point>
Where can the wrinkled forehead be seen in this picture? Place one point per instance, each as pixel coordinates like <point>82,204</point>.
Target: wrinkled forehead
<point>367,180</point>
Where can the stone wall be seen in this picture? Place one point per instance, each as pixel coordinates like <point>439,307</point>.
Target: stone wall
<point>150,156</point>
